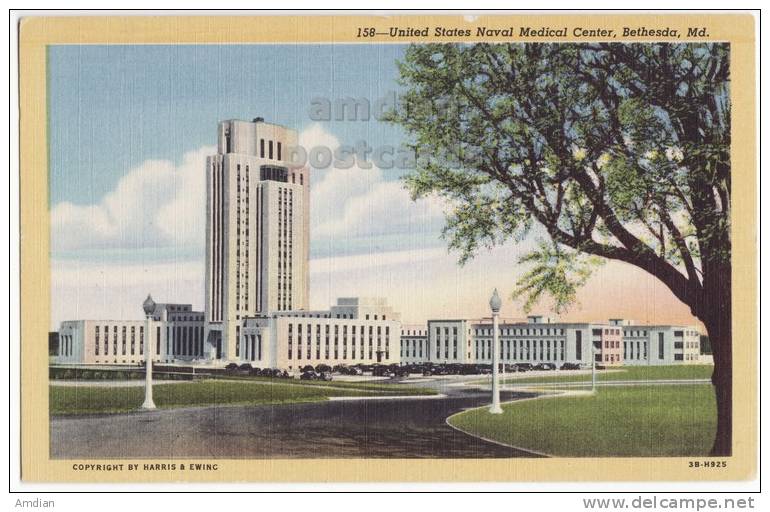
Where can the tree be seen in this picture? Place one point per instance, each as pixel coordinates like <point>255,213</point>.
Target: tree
<point>611,151</point>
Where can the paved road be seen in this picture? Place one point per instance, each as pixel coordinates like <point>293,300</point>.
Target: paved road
<point>339,429</point>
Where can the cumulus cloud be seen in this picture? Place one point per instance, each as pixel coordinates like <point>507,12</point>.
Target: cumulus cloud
<point>115,291</point>
<point>155,205</point>
<point>365,203</point>
<point>315,136</point>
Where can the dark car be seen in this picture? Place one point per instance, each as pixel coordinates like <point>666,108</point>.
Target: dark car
<point>323,368</point>
<point>401,371</point>
<point>255,371</point>
<point>231,368</point>
<point>545,366</point>
<point>523,367</point>
<point>307,368</point>
<point>440,370</point>
<point>382,371</point>
<point>309,375</point>
<point>324,376</point>
<point>470,369</point>
<point>245,368</point>
<point>484,369</point>
<point>570,366</point>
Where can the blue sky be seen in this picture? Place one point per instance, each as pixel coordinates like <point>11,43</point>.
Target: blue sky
<point>113,107</point>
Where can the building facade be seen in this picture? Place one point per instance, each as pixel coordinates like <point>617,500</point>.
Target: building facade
<point>257,237</point>
<point>256,293</point>
<point>542,340</point>
<point>353,331</point>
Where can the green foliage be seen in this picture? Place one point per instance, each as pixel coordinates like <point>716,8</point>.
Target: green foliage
<point>556,272</point>
<point>617,150</point>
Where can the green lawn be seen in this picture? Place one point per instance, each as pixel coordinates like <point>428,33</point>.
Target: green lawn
<point>365,385</point>
<point>93,399</point>
<point>695,371</point>
<point>629,421</point>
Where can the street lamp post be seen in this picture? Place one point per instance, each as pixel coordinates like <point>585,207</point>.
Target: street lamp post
<point>149,309</point>
<point>494,304</point>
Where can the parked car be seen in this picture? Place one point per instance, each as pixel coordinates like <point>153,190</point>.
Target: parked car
<point>307,368</point>
<point>570,366</point>
<point>245,368</point>
<point>523,367</point>
<point>327,376</point>
<point>323,368</point>
<point>309,375</point>
<point>231,368</point>
<point>401,371</point>
<point>484,369</point>
<point>545,366</point>
<point>382,371</point>
<point>255,371</point>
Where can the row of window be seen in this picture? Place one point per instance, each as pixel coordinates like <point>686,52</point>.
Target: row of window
<point>523,350</point>
<point>251,345</point>
<point>337,348</point>
<point>65,345</point>
<point>511,331</point>
<point>127,340</point>
<point>639,354</point>
<point>414,346</point>
<point>217,239</point>
<point>285,234</point>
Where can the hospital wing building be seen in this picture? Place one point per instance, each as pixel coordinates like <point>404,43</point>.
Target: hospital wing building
<point>257,287</point>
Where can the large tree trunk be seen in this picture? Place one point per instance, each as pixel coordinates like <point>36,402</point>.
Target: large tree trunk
<point>719,326</point>
<point>722,379</point>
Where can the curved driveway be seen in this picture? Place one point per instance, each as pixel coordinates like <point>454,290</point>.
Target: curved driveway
<point>399,428</point>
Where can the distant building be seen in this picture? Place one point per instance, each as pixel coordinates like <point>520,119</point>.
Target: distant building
<point>542,340</point>
<point>257,230</point>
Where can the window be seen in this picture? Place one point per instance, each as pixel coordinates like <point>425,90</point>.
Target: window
<point>578,345</point>
<point>661,354</point>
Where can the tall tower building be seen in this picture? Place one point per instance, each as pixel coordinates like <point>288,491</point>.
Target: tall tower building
<point>257,230</point>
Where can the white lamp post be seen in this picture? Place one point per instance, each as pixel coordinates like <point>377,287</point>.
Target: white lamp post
<point>494,304</point>
<point>149,309</point>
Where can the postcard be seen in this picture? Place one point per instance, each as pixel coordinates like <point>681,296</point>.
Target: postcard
<point>374,248</point>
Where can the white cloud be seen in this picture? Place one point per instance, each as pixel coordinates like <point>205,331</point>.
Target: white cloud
<point>365,202</point>
<point>110,291</point>
<point>315,136</point>
<point>155,205</point>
